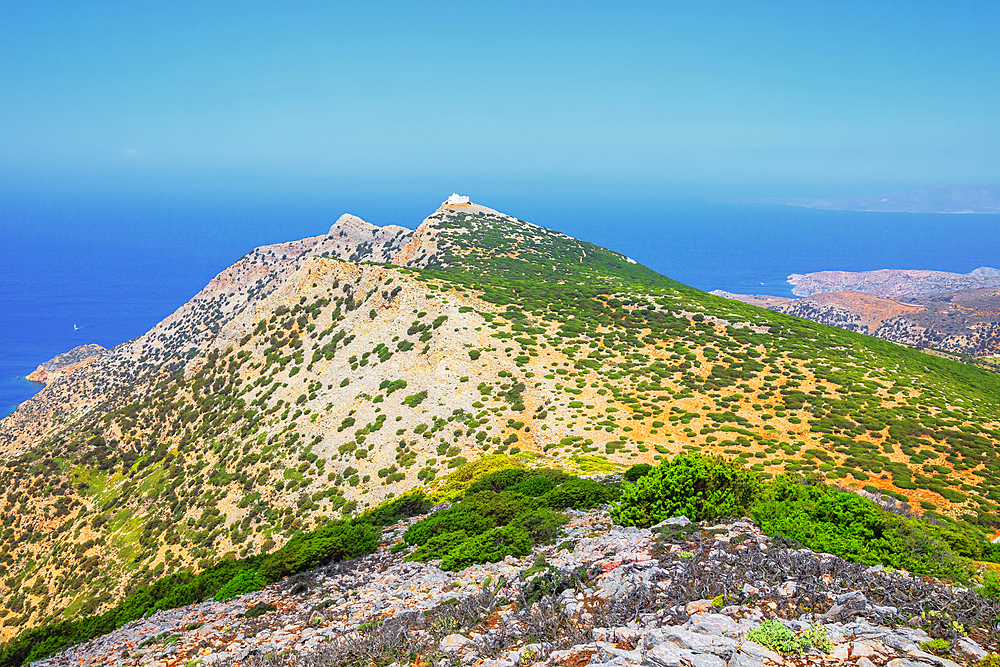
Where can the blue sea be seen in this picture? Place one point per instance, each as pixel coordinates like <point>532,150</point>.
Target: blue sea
<point>90,270</point>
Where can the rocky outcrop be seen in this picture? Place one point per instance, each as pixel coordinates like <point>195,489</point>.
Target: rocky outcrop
<point>65,363</point>
<point>604,595</point>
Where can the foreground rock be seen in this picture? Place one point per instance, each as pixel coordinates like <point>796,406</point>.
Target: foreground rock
<point>603,595</point>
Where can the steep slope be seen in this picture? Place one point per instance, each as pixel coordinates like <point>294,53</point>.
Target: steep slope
<point>167,347</point>
<point>298,386</point>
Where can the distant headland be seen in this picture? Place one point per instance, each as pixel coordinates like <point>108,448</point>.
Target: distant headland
<point>933,199</point>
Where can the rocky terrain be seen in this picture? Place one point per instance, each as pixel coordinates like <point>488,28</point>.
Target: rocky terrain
<point>65,363</point>
<point>315,378</point>
<point>926,309</point>
<point>897,284</point>
<point>678,595</point>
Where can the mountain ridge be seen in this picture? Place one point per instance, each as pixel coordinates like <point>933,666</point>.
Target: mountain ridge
<point>299,386</point>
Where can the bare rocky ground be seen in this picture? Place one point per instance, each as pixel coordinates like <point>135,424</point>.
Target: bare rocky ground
<point>605,595</point>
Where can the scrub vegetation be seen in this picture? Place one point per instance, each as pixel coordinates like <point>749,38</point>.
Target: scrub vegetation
<point>289,404</point>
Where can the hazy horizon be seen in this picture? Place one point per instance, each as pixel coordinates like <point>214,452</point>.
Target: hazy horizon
<point>716,100</point>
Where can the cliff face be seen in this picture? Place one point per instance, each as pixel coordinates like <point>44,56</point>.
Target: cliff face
<point>299,386</point>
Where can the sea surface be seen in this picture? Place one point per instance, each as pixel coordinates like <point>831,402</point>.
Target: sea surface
<point>94,271</point>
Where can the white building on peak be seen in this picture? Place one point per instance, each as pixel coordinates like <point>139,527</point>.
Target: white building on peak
<point>456,198</point>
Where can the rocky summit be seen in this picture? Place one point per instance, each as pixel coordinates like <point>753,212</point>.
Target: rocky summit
<point>313,380</point>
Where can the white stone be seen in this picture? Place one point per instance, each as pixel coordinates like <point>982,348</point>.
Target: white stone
<point>454,643</point>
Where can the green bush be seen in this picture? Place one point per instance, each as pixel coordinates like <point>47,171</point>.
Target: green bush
<point>466,474</point>
<point>637,471</point>
<point>775,636</point>
<point>331,543</point>
<point>259,609</point>
<point>697,486</point>
<point>169,592</point>
<point>534,486</point>
<point>542,524</point>
<point>246,581</point>
<point>847,525</point>
<point>499,507</point>
<point>991,585</point>
<point>499,480</point>
<point>489,547</point>
<point>391,511</point>
<point>448,521</point>
<point>438,546</point>
<point>992,660</point>
<point>579,494</point>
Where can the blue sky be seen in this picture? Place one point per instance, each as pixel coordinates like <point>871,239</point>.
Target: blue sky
<point>704,98</point>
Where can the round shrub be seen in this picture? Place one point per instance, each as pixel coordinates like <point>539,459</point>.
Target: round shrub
<point>246,581</point>
<point>489,547</point>
<point>534,486</point>
<point>541,525</point>
<point>438,546</point>
<point>498,480</point>
<point>500,507</point>
<point>331,543</point>
<point>579,494</point>
<point>856,529</point>
<point>448,521</point>
<point>699,487</point>
<point>637,471</point>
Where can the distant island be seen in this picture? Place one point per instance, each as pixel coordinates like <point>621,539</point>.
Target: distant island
<point>954,312</point>
<point>933,199</point>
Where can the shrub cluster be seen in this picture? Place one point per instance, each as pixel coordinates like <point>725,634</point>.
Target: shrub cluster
<point>828,520</point>
<point>808,511</point>
<point>335,541</point>
<point>697,486</point>
<point>504,512</point>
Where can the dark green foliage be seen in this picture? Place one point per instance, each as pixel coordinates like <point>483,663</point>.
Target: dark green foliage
<point>637,471</point>
<point>448,521</point>
<point>499,480</point>
<point>499,507</point>
<point>334,542</point>
<point>167,593</point>
<point>831,521</point>
<point>542,524</point>
<point>534,486</point>
<point>438,546</point>
<point>259,609</point>
<point>397,509</point>
<point>245,581</point>
<point>511,505</point>
<point>413,400</point>
<point>696,486</point>
<point>579,494</point>
<point>489,547</point>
